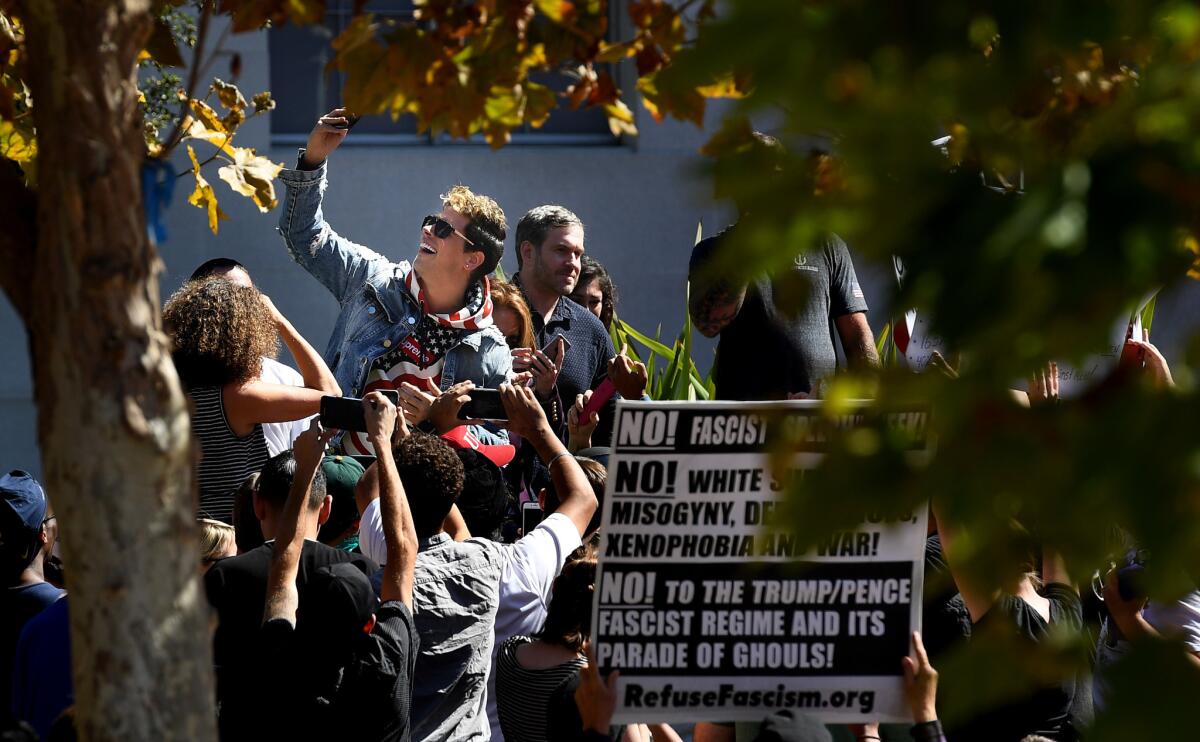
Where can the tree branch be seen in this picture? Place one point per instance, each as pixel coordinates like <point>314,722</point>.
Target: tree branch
<point>193,77</point>
<point>216,154</point>
<point>18,239</point>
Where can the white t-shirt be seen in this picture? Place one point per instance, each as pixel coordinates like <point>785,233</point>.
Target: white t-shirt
<point>370,534</point>
<point>525,585</point>
<point>534,561</point>
<point>280,436</point>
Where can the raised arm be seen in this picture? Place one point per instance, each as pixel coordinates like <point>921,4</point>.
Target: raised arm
<point>263,402</point>
<point>283,599</point>
<point>312,366</point>
<point>526,418</point>
<point>398,531</point>
<point>977,597</point>
<point>339,264</point>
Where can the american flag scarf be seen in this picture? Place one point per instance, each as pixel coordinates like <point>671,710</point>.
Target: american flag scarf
<point>476,315</point>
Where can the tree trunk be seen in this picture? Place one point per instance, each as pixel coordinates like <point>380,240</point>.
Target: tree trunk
<point>112,420</point>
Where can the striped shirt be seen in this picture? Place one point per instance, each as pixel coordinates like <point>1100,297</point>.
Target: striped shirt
<point>225,459</point>
<point>523,695</point>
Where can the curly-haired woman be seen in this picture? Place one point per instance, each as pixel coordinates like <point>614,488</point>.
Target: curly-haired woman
<point>221,332</point>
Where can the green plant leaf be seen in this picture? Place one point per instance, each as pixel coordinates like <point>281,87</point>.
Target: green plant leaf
<point>653,345</point>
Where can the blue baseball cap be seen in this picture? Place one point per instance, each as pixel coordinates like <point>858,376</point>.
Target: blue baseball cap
<point>21,518</point>
<point>25,497</point>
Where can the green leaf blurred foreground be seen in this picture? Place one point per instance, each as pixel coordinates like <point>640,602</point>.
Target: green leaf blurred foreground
<point>1069,190</point>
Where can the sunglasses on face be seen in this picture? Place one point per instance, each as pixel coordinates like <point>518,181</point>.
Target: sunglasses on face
<point>442,228</point>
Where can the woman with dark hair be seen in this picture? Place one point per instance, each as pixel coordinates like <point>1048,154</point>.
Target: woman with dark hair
<point>529,669</point>
<point>595,291</point>
<point>221,333</point>
<point>1022,610</point>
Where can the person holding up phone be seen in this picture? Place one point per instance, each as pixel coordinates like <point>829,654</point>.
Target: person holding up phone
<point>427,324</point>
<point>221,331</point>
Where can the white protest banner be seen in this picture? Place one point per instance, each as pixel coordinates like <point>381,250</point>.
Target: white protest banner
<point>710,616</point>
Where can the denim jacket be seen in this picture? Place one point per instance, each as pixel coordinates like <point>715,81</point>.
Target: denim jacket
<point>376,310</point>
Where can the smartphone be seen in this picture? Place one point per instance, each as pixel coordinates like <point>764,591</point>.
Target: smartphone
<point>484,404</point>
<point>600,395</point>
<point>550,345</point>
<point>351,120</point>
<point>346,413</point>
<point>531,515</point>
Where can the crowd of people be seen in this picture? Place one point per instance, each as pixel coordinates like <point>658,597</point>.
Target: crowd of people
<point>430,573</point>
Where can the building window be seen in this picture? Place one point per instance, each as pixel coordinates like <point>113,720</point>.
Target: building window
<point>304,90</point>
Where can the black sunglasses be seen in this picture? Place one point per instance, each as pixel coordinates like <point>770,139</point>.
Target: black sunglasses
<point>442,228</point>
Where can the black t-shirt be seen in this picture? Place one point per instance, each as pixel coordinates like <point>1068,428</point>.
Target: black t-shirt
<point>367,697</point>
<point>236,589</point>
<point>782,340</point>
<point>1042,710</point>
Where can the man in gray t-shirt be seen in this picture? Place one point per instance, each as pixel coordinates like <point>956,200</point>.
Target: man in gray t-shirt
<point>777,331</point>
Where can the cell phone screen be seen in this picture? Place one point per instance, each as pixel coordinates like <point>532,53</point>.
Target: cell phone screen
<point>484,404</point>
<point>531,515</point>
<point>346,413</point>
<point>550,345</point>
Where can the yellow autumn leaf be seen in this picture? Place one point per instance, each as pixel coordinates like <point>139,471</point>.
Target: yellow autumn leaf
<point>228,94</point>
<point>203,196</point>
<point>1193,246</point>
<point>535,58</point>
<point>620,119</point>
<point>504,108</point>
<point>252,175</point>
<point>649,91</point>
<point>263,102</point>
<point>197,130</point>
<point>723,88</point>
<point>617,52</point>
<point>554,9</point>
<point>539,101</point>
<point>17,141</point>
<point>205,114</point>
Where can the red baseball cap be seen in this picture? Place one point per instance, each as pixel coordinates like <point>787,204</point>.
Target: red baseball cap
<point>498,453</point>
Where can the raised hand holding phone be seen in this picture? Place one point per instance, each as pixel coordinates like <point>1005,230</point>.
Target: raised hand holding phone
<point>325,137</point>
<point>346,413</point>
<point>381,417</point>
<point>544,364</point>
<point>444,412</point>
<point>525,416</point>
